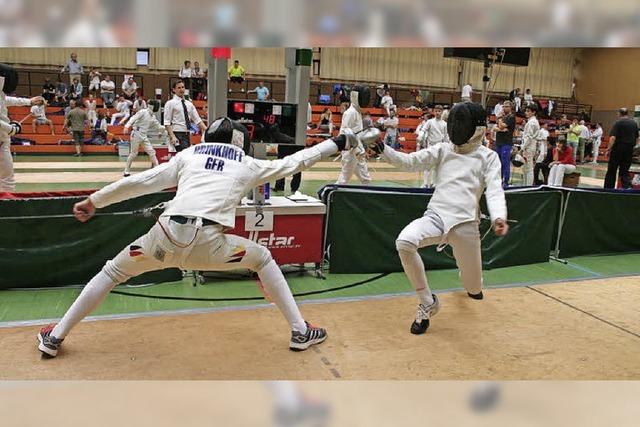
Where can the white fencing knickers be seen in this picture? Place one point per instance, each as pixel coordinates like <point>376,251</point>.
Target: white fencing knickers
<point>528,165</point>
<point>463,238</point>
<point>7,182</point>
<point>133,152</point>
<point>430,175</point>
<point>352,164</point>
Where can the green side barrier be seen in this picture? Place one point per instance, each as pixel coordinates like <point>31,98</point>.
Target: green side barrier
<point>49,251</point>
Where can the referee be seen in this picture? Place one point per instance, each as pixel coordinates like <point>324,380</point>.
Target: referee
<point>179,114</point>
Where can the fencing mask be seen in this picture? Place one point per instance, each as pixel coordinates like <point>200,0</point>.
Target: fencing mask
<point>8,79</point>
<point>464,120</point>
<point>226,131</point>
<point>361,94</point>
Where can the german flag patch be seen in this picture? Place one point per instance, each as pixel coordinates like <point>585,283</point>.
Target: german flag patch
<point>135,251</point>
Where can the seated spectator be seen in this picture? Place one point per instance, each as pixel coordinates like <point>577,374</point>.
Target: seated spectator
<point>48,90</point>
<point>99,132</point>
<point>236,73</point>
<point>563,163</point>
<point>543,161</point>
<point>390,125</point>
<point>94,81</point>
<point>139,104</point>
<point>38,112</point>
<point>107,91</point>
<point>123,108</point>
<point>386,102</point>
<point>61,92</point>
<point>91,105</point>
<point>528,97</point>
<point>129,89</point>
<point>198,76</point>
<point>75,91</point>
<point>326,121</point>
<point>261,91</point>
<point>196,71</point>
<point>186,72</point>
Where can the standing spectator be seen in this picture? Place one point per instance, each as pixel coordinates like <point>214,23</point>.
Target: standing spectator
<point>596,135</point>
<point>198,81</point>
<point>197,72</point>
<point>544,156</point>
<point>94,81</point>
<point>529,143</point>
<point>467,93</point>
<point>513,94</point>
<point>61,92</point>
<point>386,102</point>
<point>497,110</point>
<point>38,112</point>
<point>91,105</point>
<point>48,90</point>
<point>517,103</point>
<point>504,140</point>
<point>186,72</point>
<point>236,74</point>
<point>75,122</point>
<point>421,132</point>
<point>326,120</point>
<point>380,91</point>
<point>583,139</point>
<point>261,91</point>
<point>75,91</point>
<point>107,91</point>
<point>622,139</point>
<point>528,97</point>
<point>391,128</point>
<point>573,137</point>
<point>130,89</point>
<point>74,68</point>
<point>179,114</point>
<point>436,130</point>
<point>139,104</point>
<point>123,108</point>
<point>563,163</point>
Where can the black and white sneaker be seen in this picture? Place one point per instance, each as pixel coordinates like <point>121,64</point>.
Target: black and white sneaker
<point>126,174</point>
<point>49,344</point>
<point>301,342</point>
<point>424,313</point>
<point>476,296</point>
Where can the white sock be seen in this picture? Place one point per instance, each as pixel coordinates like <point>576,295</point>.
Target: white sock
<point>414,269</point>
<point>90,297</point>
<point>276,286</point>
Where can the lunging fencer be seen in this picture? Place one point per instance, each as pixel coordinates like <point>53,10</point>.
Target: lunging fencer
<point>353,161</point>
<point>8,85</point>
<point>211,179</point>
<point>465,168</point>
<point>142,122</point>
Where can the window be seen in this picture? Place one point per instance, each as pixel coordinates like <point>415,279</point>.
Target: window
<point>142,57</point>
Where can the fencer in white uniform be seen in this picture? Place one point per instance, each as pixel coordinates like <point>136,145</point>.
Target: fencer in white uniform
<point>353,161</point>
<point>8,84</point>
<point>142,122</point>
<point>211,179</point>
<point>436,129</point>
<point>465,168</point>
<point>529,143</point>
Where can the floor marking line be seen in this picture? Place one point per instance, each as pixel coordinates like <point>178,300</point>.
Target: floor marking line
<point>584,312</point>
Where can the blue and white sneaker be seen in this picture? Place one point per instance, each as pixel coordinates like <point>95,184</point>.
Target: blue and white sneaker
<point>49,344</point>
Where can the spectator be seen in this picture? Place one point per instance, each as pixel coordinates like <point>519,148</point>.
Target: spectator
<point>61,92</point>
<point>91,105</point>
<point>326,121</point>
<point>497,110</point>
<point>544,155</point>
<point>421,133</point>
<point>107,90</point>
<point>94,81</point>
<point>261,91</point>
<point>343,95</point>
<point>573,137</point>
<point>99,133</point>
<point>596,136</point>
<point>48,90</point>
<point>513,94</point>
<point>179,114</point>
<point>236,73</point>
<point>517,103</point>
<point>123,108</point>
<point>504,140</point>
<point>198,81</point>
<point>622,139</point>
<point>197,72</point>
<point>139,104</point>
<point>528,97</point>
<point>583,140</point>
<point>38,112</point>
<point>75,122</point>
<point>467,93</point>
<point>129,89</point>
<point>391,129</point>
<point>75,91</point>
<point>74,68</point>
<point>530,143</point>
<point>563,163</point>
<point>186,72</point>
<point>380,91</point>
<point>386,102</point>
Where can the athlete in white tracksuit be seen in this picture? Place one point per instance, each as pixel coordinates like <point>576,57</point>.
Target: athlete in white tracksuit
<point>211,178</point>
<point>8,83</point>
<point>142,122</point>
<point>353,161</point>
<point>464,169</point>
<point>597,140</point>
<point>529,143</point>
<point>436,133</point>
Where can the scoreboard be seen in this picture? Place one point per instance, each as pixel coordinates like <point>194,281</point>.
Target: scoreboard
<point>266,121</point>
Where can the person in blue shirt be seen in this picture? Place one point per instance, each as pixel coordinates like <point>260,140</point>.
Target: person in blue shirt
<point>261,91</point>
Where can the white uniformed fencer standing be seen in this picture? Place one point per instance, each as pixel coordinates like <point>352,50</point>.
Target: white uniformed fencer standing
<point>8,84</point>
<point>211,179</point>
<point>464,169</point>
<point>352,119</point>
<point>529,143</point>
<point>142,122</point>
<point>436,133</point>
